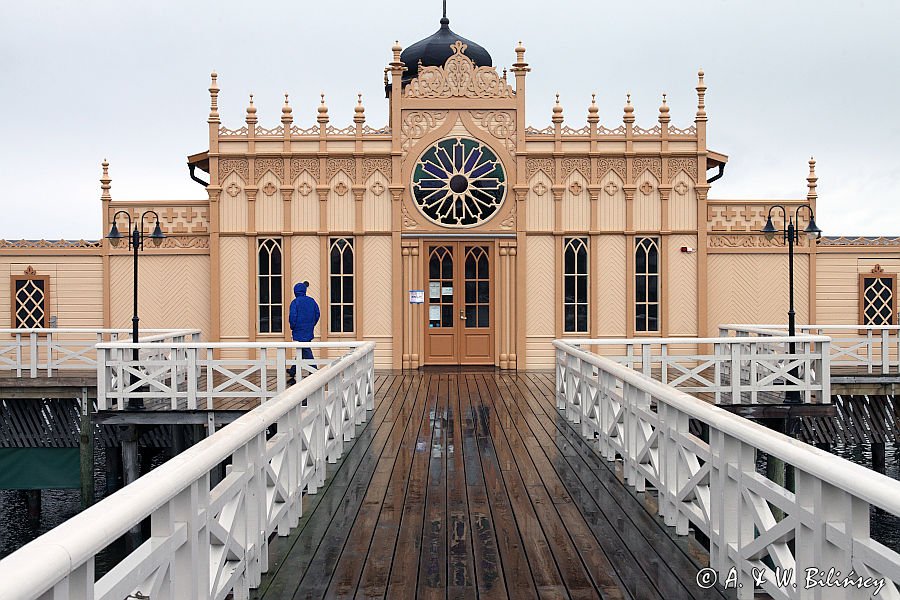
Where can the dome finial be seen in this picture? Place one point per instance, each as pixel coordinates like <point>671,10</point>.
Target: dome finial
<point>629,110</point>
<point>251,112</point>
<point>444,20</point>
<point>323,111</point>
<point>359,111</point>
<point>593,111</point>
<point>557,111</point>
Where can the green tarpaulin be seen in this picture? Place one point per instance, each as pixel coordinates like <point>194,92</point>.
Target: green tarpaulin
<point>39,468</point>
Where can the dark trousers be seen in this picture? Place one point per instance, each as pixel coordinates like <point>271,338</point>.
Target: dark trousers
<point>305,354</point>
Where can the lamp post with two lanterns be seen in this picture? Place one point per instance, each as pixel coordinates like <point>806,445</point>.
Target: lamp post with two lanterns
<point>792,236</point>
<point>135,243</point>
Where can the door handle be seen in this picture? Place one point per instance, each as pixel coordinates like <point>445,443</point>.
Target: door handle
<point>462,315</point>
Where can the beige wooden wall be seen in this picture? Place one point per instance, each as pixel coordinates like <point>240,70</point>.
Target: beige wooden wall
<point>753,288</point>
<point>837,280</point>
<point>76,287</point>
<point>173,291</point>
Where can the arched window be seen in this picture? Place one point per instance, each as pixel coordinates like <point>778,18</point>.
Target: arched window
<point>29,307</point>
<point>878,298</point>
<point>341,296</point>
<point>646,284</point>
<point>575,285</point>
<point>269,285</point>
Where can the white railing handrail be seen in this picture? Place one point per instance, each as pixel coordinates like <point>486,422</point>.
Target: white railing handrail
<point>785,339</point>
<point>42,563</point>
<point>783,328</point>
<point>230,345</point>
<point>46,330</point>
<point>875,488</point>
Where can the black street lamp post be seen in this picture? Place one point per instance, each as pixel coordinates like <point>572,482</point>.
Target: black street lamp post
<point>135,243</point>
<point>791,236</point>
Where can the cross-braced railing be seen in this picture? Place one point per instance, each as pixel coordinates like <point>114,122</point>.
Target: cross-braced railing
<point>757,529</point>
<point>196,375</point>
<point>206,543</point>
<point>868,349</point>
<point>735,370</point>
<point>49,352</point>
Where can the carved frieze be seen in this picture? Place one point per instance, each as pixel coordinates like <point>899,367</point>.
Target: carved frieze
<point>499,123</point>
<point>408,221</point>
<point>533,165</point>
<point>276,165</point>
<point>510,221</point>
<point>227,166</point>
<point>174,220</point>
<point>310,165</point>
<point>582,165</point>
<point>370,165</point>
<point>31,244</point>
<point>605,165</point>
<point>459,77</point>
<point>688,165</point>
<point>347,165</point>
<point>647,163</point>
<point>418,124</point>
<point>742,241</point>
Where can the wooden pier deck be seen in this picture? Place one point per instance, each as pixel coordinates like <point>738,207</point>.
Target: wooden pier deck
<point>470,485</point>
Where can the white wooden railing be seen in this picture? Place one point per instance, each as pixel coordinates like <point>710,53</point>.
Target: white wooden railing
<point>206,543</point>
<point>195,375</point>
<point>714,486</point>
<point>868,349</point>
<point>765,367</point>
<point>46,352</point>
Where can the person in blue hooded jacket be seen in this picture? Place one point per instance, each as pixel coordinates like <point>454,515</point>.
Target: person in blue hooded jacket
<point>304,315</point>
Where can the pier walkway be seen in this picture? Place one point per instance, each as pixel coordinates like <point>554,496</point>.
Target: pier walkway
<point>467,484</point>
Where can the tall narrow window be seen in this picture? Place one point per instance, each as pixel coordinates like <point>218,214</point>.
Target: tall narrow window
<point>575,302</point>
<point>878,298</point>
<point>646,284</point>
<point>269,285</point>
<point>342,282</point>
<point>29,301</point>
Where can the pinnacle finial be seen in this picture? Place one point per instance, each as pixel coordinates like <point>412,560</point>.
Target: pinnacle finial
<point>444,19</point>
<point>323,110</point>
<point>213,98</point>
<point>251,111</point>
<point>812,181</point>
<point>359,110</point>
<point>664,111</point>
<point>286,110</point>
<point>593,111</point>
<point>629,110</point>
<point>557,111</point>
<point>105,181</point>
<point>701,97</point>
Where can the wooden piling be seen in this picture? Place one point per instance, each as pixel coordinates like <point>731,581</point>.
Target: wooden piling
<point>878,457</point>
<point>86,448</point>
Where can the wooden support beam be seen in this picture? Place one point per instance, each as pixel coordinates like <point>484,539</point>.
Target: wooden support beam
<point>86,447</point>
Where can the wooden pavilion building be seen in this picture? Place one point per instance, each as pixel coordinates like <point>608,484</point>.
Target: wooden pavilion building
<point>456,234</point>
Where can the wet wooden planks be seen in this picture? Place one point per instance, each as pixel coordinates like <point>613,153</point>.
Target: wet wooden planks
<point>471,485</point>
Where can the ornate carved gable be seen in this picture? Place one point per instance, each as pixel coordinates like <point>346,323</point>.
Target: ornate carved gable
<point>459,77</point>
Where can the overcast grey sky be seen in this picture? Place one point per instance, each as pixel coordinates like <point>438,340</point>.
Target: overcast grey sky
<point>80,81</point>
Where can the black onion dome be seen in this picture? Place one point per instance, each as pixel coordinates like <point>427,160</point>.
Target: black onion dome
<point>434,51</point>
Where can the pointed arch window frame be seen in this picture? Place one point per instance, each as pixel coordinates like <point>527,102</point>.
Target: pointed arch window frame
<point>342,286</point>
<point>18,283</point>
<point>647,285</point>
<point>268,282</point>
<point>578,280</point>
<point>889,280</point>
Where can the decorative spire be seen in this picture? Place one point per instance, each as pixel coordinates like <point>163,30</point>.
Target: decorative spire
<point>701,97</point>
<point>812,181</point>
<point>396,49</point>
<point>359,110</point>
<point>593,111</point>
<point>286,110</point>
<point>251,112</point>
<point>323,111</point>
<point>557,111</point>
<point>444,20</point>
<point>213,99</point>
<point>520,64</point>
<point>664,111</point>
<point>504,73</point>
<point>629,110</point>
<point>105,181</point>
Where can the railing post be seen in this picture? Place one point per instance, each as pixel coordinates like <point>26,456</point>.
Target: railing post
<point>735,368</point>
<point>263,379</point>
<point>18,355</point>
<point>370,380</point>
<point>280,370</point>
<point>103,378</point>
<point>49,353</point>
<point>191,374</point>
<point>33,351</point>
<point>885,351</point>
<point>560,379</point>
<point>646,364</point>
<point>730,523</point>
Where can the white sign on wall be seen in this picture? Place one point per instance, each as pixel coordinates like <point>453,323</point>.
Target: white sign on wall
<point>416,296</point>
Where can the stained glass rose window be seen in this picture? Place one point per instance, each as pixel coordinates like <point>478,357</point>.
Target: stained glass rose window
<point>458,182</point>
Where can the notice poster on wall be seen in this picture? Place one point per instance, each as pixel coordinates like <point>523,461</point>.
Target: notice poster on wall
<point>434,313</point>
<point>434,290</point>
<point>447,291</point>
<point>416,296</point>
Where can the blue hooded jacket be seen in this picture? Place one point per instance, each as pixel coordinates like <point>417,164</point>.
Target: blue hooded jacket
<point>304,315</point>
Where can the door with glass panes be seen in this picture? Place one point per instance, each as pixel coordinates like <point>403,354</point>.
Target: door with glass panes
<point>459,321</point>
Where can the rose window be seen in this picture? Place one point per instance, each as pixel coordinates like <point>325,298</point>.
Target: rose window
<point>458,182</point>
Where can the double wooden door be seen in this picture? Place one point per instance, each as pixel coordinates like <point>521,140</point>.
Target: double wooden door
<point>459,315</point>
